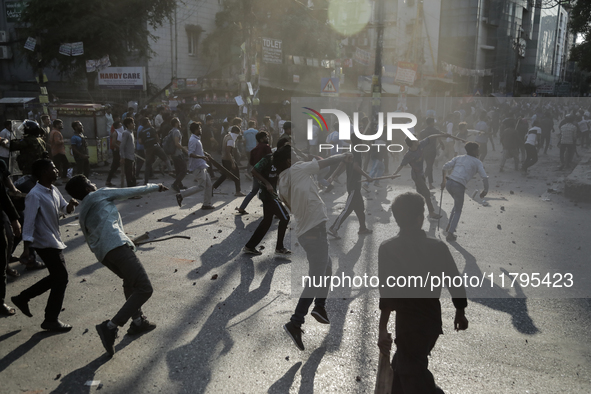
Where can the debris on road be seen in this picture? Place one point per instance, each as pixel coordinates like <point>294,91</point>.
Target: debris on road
<point>214,277</point>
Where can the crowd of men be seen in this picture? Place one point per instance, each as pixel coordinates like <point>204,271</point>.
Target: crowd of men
<point>289,177</point>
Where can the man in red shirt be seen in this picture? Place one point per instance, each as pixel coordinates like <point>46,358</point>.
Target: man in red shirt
<point>58,150</point>
<point>260,151</point>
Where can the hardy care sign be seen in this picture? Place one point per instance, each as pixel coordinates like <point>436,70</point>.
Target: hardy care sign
<point>122,78</point>
<point>272,51</point>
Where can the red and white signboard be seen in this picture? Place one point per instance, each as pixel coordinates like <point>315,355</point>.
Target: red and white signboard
<point>122,78</point>
<point>406,73</point>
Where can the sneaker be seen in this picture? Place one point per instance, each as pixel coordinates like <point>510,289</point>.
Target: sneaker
<point>207,207</point>
<point>364,231</point>
<point>319,313</point>
<point>179,199</point>
<point>295,333</point>
<point>145,326</point>
<point>248,250</point>
<point>333,233</point>
<point>175,188</point>
<point>283,251</point>
<point>22,305</point>
<point>107,336</point>
<point>451,237</point>
<point>239,194</point>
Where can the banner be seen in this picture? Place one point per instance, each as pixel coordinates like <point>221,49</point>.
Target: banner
<point>362,57</point>
<point>466,71</point>
<point>98,65</point>
<point>122,78</point>
<point>406,73</point>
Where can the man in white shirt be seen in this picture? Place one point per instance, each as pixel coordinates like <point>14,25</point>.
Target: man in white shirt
<point>5,136</point>
<point>109,118</point>
<point>43,206</point>
<point>228,161</point>
<point>483,137</point>
<point>198,165</point>
<point>463,169</point>
<point>299,192</point>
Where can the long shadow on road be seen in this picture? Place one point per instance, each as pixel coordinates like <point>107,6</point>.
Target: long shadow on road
<point>498,298</point>
<point>214,330</point>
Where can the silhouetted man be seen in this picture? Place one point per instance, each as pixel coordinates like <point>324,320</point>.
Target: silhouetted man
<point>418,310</point>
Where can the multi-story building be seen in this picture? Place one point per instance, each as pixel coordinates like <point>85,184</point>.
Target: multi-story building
<point>506,46</point>
<point>547,52</point>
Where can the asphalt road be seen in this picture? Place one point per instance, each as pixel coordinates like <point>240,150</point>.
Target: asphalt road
<point>225,335</point>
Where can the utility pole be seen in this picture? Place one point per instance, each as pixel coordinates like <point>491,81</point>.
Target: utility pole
<point>246,36</point>
<point>41,77</point>
<point>376,81</point>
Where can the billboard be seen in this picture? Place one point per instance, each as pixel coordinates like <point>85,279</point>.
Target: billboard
<point>122,78</point>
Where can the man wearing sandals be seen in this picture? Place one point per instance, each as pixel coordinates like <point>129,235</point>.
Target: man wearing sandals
<point>102,227</point>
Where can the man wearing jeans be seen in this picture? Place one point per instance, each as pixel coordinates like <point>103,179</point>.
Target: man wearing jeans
<point>43,206</point>
<point>463,168</point>
<point>299,192</point>
<point>102,227</point>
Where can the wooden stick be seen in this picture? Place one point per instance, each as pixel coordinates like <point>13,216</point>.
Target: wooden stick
<point>381,177</point>
<point>162,239</point>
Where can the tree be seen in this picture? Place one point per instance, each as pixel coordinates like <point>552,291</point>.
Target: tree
<point>118,28</point>
<point>580,24</point>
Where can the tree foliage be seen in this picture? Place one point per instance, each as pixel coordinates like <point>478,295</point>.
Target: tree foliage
<point>118,28</point>
<point>580,23</point>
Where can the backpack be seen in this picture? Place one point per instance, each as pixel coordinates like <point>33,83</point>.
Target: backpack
<point>168,144</point>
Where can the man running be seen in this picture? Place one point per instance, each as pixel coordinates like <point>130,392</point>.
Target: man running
<point>265,173</point>
<point>103,230</point>
<point>260,151</point>
<point>198,165</point>
<point>414,157</point>
<point>299,192</point>
<point>354,198</point>
<point>463,168</point>
<point>43,206</point>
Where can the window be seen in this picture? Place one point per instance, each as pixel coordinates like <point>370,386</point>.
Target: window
<point>192,41</point>
<point>193,33</point>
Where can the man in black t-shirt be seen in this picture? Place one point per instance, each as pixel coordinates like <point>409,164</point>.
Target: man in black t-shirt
<point>430,151</point>
<point>355,199</point>
<point>149,138</point>
<point>266,174</point>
